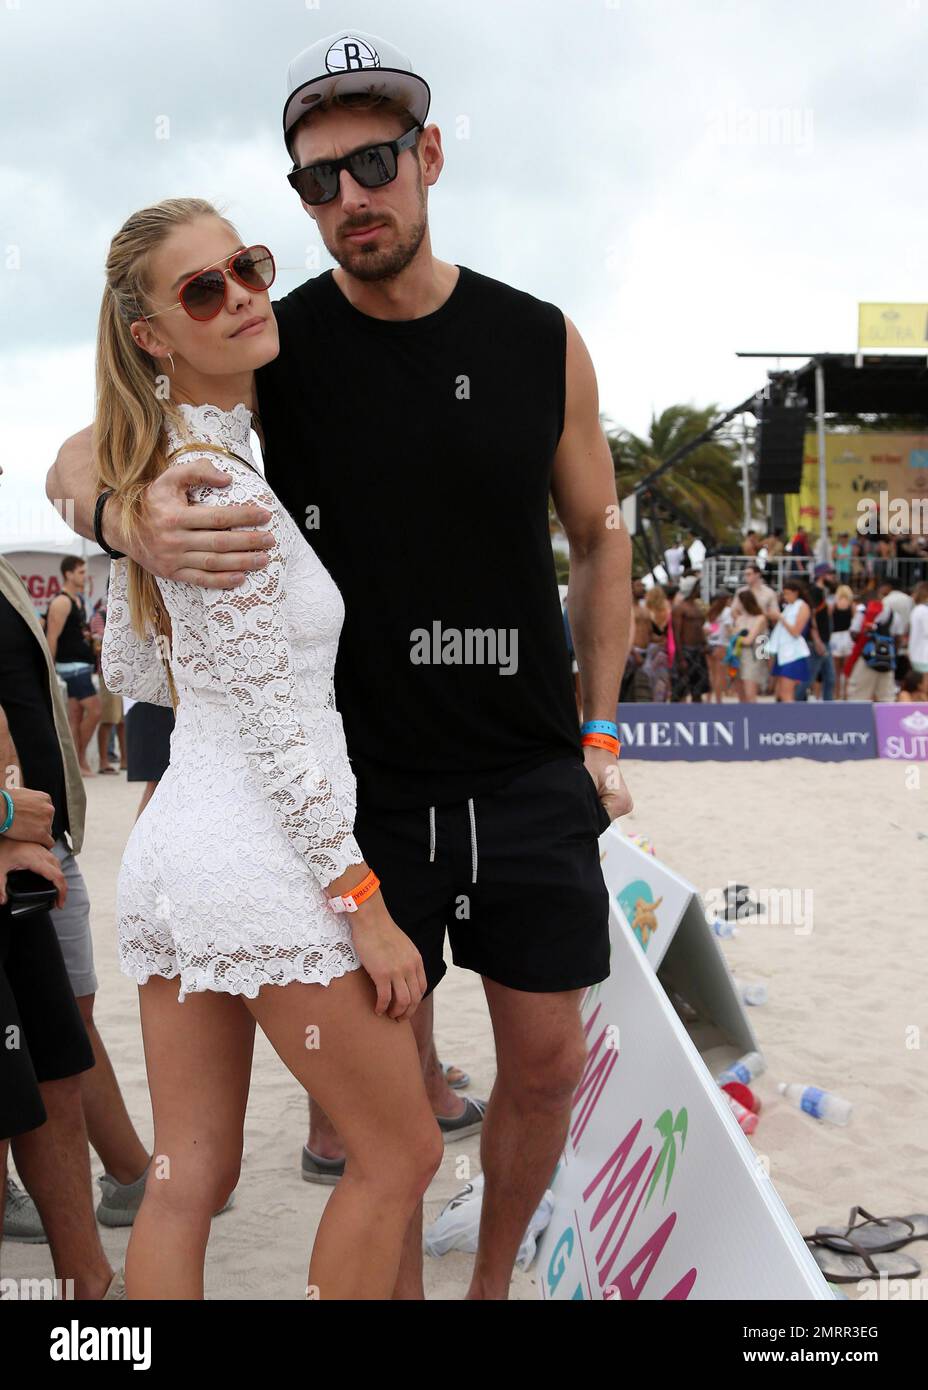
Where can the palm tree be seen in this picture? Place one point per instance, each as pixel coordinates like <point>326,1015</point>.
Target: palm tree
<point>705,483</point>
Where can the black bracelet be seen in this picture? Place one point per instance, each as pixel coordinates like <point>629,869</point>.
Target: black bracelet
<point>98,526</point>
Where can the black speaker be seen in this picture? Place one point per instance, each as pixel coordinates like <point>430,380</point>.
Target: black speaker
<point>780,447</point>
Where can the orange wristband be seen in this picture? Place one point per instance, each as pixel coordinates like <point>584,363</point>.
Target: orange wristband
<point>606,741</point>
<point>350,902</point>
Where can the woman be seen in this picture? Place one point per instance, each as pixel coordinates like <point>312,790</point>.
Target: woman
<point>918,634</point>
<point>717,628</point>
<point>231,885</point>
<point>840,642</point>
<point>751,622</point>
<point>789,646</point>
<point>658,657</point>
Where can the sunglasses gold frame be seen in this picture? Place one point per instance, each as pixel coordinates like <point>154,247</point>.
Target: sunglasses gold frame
<point>226,263</point>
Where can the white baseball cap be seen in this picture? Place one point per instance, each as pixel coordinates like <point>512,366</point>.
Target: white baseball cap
<point>352,62</point>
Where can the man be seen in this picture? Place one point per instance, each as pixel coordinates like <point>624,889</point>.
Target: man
<point>433,392</point>
<point>897,603</point>
<point>636,686</point>
<point>773,543</point>
<point>818,636</point>
<point>72,652</point>
<point>766,598</point>
<point>799,545</point>
<point>871,667</point>
<point>690,671</point>
<point>38,725</point>
<point>674,560</point>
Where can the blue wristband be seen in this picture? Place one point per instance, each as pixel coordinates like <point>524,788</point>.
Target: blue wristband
<point>10,812</point>
<point>600,726</point>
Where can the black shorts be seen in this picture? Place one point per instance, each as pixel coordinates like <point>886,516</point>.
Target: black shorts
<point>42,1034</point>
<point>513,875</point>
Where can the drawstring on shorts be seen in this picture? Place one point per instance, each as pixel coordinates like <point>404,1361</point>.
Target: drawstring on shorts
<point>473,837</point>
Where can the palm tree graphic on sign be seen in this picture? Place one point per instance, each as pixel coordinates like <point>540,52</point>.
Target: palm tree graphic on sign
<point>668,1128</point>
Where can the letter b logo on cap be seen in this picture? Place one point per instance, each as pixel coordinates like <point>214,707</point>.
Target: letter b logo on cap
<point>349,54</point>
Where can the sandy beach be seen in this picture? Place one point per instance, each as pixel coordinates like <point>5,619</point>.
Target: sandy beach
<point>847,1001</point>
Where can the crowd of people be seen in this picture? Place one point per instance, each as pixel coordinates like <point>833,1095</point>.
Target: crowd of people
<point>852,626</point>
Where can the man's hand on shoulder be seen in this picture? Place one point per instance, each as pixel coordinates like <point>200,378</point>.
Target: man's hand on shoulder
<point>175,539</point>
<point>197,543</point>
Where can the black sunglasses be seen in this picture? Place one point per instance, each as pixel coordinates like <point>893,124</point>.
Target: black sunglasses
<point>371,168</point>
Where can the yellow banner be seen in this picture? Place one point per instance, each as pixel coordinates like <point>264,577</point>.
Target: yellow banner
<point>887,326</point>
<point>857,467</point>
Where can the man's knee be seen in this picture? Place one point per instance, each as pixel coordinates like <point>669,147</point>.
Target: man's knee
<point>546,1077</point>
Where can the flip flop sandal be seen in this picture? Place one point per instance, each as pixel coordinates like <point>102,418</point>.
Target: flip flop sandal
<point>463,1081</point>
<point>321,1170</point>
<point>875,1233</point>
<point>862,1264</point>
<point>468,1122</point>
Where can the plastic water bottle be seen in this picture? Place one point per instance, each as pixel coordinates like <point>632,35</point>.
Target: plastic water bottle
<point>744,1070</point>
<point>822,1105</point>
<point>746,1118</point>
<point>726,930</point>
<point>751,992</point>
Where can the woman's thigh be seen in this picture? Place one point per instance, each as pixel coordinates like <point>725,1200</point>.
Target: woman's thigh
<point>362,1068</point>
<point>198,1056</point>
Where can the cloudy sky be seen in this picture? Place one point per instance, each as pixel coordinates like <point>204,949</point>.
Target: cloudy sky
<point>685,178</point>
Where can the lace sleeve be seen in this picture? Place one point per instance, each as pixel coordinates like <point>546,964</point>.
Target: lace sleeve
<point>131,666</point>
<point>246,631</point>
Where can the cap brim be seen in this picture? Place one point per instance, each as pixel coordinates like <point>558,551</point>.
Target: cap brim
<point>402,86</point>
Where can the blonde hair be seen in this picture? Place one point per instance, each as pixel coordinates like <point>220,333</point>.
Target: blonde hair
<point>356,101</point>
<point>131,406</point>
<point>845,591</point>
<point>656,600</point>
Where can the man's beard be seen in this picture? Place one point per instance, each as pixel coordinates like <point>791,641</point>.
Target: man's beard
<point>366,263</point>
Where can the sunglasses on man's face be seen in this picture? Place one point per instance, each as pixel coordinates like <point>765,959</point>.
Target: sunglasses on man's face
<point>203,295</point>
<point>371,168</point>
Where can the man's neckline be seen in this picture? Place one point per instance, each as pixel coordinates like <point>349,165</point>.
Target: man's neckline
<point>444,310</point>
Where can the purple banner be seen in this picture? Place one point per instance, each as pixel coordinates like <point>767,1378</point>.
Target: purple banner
<point>902,732</point>
<point>829,732</point>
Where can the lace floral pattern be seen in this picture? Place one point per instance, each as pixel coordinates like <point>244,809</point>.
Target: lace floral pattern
<point>223,876</point>
<point>131,666</point>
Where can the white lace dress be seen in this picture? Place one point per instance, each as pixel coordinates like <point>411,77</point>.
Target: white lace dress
<point>222,879</point>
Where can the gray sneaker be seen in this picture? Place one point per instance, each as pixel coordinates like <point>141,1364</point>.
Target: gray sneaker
<point>21,1219</point>
<point>470,1120</point>
<point>121,1200</point>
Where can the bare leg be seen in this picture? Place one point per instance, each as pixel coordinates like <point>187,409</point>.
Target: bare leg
<point>198,1055</point>
<point>90,718</point>
<point>103,745</point>
<point>54,1163</point>
<point>75,719</point>
<point>366,1074</point>
<point>109,1128</point>
<point>323,1136</point>
<point>121,740</point>
<point>540,1050</point>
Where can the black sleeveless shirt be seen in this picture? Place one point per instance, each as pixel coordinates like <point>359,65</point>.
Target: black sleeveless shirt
<point>427,445</point>
<point>72,640</point>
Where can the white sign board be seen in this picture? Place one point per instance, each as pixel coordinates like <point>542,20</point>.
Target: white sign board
<point>659,1195</point>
